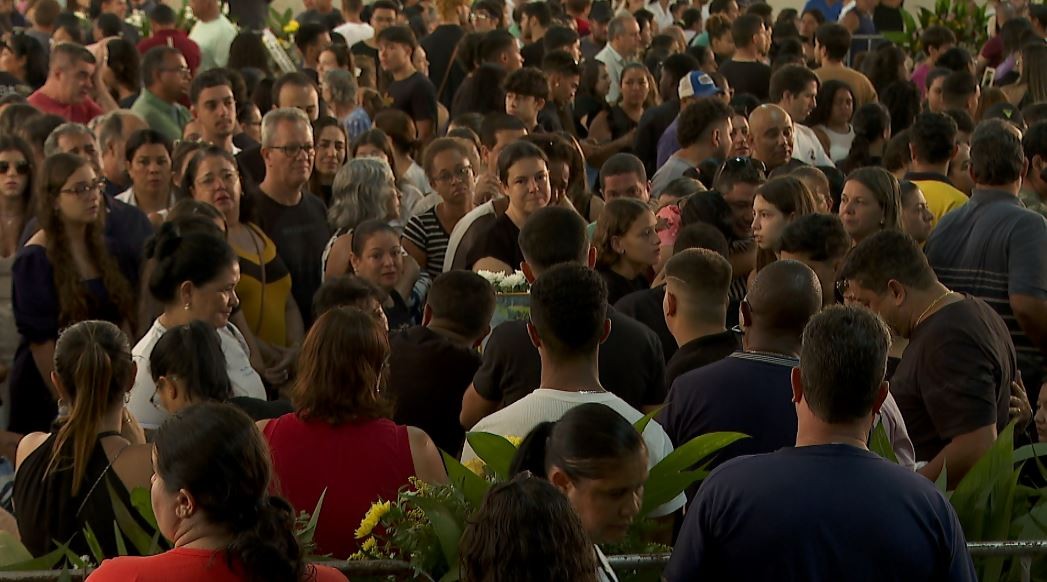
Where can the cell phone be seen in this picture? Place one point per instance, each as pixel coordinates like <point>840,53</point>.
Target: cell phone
<point>988,76</point>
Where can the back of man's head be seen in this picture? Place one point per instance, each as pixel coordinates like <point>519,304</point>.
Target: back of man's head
<point>1034,143</point>
<point>933,138</point>
<point>463,302</point>
<point>163,15</point>
<point>819,237</point>
<point>569,310</point>
<point>496,122</point>
<point>347,290</point>
<point>783,297</point>
<point>744,28</point>
<point>700,280</point>
<point>997,158</point>
<point>495,43</point>
<point>958,88</point>
<point>888,256</point>
<point>843,362</point>
<point>551,236</point>
<point>701,235</point>
<point>698,118</point>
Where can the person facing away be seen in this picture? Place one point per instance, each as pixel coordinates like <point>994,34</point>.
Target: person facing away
<point>798,492</point>
<point>953,383</point>
<point>567,325</point>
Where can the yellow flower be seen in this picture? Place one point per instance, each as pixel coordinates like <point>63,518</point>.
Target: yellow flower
<point>369,545</point>
<point>291,27</point>
<point>476,465</point>
<point>515,440</point>
<point>374,515</point>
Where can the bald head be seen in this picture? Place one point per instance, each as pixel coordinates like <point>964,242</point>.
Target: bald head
<point>771,135</point>
<point>784,296</point>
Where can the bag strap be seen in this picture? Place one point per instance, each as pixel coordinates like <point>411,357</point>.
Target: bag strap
<point>447,73</point>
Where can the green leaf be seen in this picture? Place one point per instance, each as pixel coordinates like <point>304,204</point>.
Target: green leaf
<point>1030,451</point>
<point>305,536</point>
<point>942,482</point>
<point>127,525</point>
<point>661,490</point>
<point>92,544</point>
<point>880,443</point>
<point>141,501</point>
<point>690,453</point>
<point>121,545</point>
<point>472,486</point>
<point>495,450</point>
<point>12,551</point>
<point>641,425</point>
<point>447,529</point>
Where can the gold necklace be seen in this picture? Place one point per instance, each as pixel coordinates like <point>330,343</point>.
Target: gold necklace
<point>919,320</point>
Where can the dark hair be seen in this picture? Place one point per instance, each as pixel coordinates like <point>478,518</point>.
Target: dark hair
<point>997,156</point>
<point>331,387</point>
<point>496,122</point>
<point>709,208</point>
<point>745,27</point>
<point>538,10</point>
<point>835,39</point>
<point>9,143</point>
<point>551,236</point>
<point>125,63</point>
<point>1033,113</point>
<point>569,309</point>
<point>367,229</point>
<point>307,34</point>
<point>93,360</point>
<point>896,154</point>
<point>885,189</point>
<point>70,23</point>
<point>560,62</point>
<point>701,235</point>
<point>108,24</point>
<point>870,123</point>
<point>450,144</point>
<point>1034,142</point>
<point>935,74</point>
<point>513,153</point>
<point>204,374</point>
<point>885,256</point>
<point>216,452</point>
<point>206,80</point>
<point>195,257</point>
<point>964,121</point>
<point>528,81</point>
<point>622,163</point>
<point>153,62</point>
<point>345,291</point>
<point>248,51</point>
<point>719,6</point>
<point>526,530</point>
<point>955,59</point>
<point>933,137</point>
<point>162,14</point>
<point>739,170</point>
<point>36,62</point>
<point>902,100</point>
<point>842,362</point>
<point>936,36</point>
<point>484,95</point>
<point>462,300</point>
<point>493,43</point>
<point>294,79</point>
<point>557,37</point>
<point>397,125</point>
<point>698,118</point>
<point>617,218</point>
<point>792,79</point>
<point>826,98</point>
<point>957,88</point>
<point>144,137</point>
<point>819,236</point>
<point>885,65</point>
<point>398,35</point>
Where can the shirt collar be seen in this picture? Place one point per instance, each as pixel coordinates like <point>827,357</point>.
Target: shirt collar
<point>928,177</point>
<point>991,195</point>
<point>768,358</point>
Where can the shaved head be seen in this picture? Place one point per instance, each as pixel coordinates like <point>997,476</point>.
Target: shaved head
<point>771,135</point>
<point>784,296</point>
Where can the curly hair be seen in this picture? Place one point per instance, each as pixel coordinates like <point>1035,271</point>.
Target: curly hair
<point>73,304</point>
<point>360,192</point>
<point>617,217</point>
<point>526,530</point>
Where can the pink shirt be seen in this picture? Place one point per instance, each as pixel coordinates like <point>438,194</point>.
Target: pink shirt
<point>82,112</point>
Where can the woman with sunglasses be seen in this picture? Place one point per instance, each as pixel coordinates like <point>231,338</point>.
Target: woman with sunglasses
<point>16,191</point>
<point>64,477</point>
<point>22,57</point>
<point>194,277</point>
<point>64,274</point>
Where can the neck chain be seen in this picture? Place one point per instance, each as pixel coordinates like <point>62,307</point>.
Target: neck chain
<point>919,320</point>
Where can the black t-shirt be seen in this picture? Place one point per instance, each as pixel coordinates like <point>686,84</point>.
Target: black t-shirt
<point>646,307</point>
<point>747,77</point>
<point>631,364</point>
<point>501,242</point>
<point>397,313</point>
<point>362,49</point>
<point>955,376</point>
<point>701,352</point>
<point>428,377</point>
<point>549,118</point>
<point>300,233</point>
<point>415,96</point>
<point>618,286</point>
<point>12,85</point>
<point>533,54</point>
<point>652,125</point>
<point>819,514</point>
<point>439,47</point>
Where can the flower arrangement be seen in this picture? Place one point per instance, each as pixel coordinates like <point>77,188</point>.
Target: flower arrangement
<point>138,19</point>
<point>502,283</point>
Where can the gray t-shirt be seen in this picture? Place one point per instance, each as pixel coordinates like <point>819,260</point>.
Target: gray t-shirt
<point>672,169</point>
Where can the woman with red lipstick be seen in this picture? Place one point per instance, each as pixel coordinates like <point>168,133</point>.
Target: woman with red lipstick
<point>627,247</point>
<point>63,275</point>
<point>264,289</point>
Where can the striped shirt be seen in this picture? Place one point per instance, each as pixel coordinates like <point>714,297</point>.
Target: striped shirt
<point>426,232</point>
<point>993,248</point>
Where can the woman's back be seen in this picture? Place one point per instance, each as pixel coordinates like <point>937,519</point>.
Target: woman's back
<point>189,564</point>
<point>356,462</point>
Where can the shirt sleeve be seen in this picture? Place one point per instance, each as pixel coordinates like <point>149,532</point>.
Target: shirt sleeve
<point>958,386</point>
<point>692,548</point>
<point>1027,257</point>
<point>415,232</point>
<point>34,297</point>
<point>423,100</point>
<point>488,379</point>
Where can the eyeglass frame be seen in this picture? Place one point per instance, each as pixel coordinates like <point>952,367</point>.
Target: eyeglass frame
<point>293,150</point>
<point>98,184</point>
<point>462,173</point>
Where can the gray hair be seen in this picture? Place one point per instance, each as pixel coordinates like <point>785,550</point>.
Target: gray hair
<point>342,85</point>
<point>616,27</point>
<point>110,127</point>
<point>278,116</point>
<point>359,193</point>
<point>51,144</point>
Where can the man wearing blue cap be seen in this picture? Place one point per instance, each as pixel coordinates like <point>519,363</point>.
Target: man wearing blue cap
<point>694,86</point>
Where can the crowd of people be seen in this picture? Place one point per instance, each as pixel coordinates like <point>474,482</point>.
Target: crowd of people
<point>246,287</point>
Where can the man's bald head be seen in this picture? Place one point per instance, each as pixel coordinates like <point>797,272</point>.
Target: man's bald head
<point>784,296</point>
<point>771,135</point>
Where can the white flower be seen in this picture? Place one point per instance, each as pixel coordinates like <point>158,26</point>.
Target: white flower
<point>514,282</point>
<point>494,278</point>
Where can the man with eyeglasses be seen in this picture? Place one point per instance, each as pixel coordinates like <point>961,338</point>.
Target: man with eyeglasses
<point>166,77</point>
<point>73,83</point>
<point>292,217</point>
<point>623,42</point>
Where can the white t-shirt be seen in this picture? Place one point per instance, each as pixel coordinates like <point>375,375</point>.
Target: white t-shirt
<point>245,381</point>
<point>545,405</point>
<point>214,38</point>
<point>807,148</point>
<point>354,32</point>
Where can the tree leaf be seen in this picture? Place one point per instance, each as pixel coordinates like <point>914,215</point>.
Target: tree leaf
<point>13,551</point>
<point>495,450</point>
<point>141,501</point>
<point>880,443</point>
<point>127,525</point>
<point>690,453</point>
<point>661,490</point>
<point>472,486</point>
<point>447,529</point>
<point>92,544</point>
<point>305,536</point>
<point>641,425</point>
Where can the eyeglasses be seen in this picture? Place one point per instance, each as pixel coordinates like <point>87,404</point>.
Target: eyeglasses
<point>292,150</point>
<point>21,167</point>
<point>84,189</point>
<point>463,173</point>
<point>230,179</point>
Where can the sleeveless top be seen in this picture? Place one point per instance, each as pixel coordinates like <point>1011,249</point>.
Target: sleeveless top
<point>620,123</point>
<point>358,463</point>
<point>47,510</point>
<point>839,143</point>
<point>265,285</point>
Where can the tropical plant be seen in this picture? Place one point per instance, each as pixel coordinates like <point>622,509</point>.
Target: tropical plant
<point>967,19</point>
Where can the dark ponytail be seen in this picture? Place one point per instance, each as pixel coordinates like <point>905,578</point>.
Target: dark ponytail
<point>204,374</point>
<point>587,442</point>
<point>870,123</point>
<point>186,253</point>
<point>216,452</point>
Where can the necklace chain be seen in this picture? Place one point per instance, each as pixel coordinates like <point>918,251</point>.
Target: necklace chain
<point>919,320</point>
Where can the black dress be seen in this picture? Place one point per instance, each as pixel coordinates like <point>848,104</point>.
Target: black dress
<point>47,510</point>
<point>620,123</point>
<point>618,286</point>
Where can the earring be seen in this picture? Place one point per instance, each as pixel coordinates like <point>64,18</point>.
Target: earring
<point>186,306</point>
<point>127,397</point>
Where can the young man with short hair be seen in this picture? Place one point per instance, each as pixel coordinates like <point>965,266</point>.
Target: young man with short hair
<point>704,132</point>
<point>746,71</point>
<point>960,90</point>
<point>383,15</point>
<point>933,84</point>
<point>535,20</point>
<point>526,92</point>
<point>832,41</point>
<point>214,108</point>
<point>410,91</point>
<point>936,40</point>
<point>795,88</point>
<point>933,144</point>
<point>564,76</point>
<point>311,39</point>
<point>1034,186</point>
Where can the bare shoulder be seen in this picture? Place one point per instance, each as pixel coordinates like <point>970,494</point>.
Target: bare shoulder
<point>28,444</point>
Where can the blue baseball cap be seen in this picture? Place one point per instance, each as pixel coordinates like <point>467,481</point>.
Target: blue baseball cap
<point>698,84</point>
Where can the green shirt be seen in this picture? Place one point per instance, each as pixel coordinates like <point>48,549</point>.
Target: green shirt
<point>1032,201</point>
<point>167,118</point>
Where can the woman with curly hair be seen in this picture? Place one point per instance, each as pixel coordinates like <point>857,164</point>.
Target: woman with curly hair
<point>64,274</point>
<point>831,118</point>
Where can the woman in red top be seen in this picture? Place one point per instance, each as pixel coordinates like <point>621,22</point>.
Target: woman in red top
<point>210,497</point>
<point>340,438</point>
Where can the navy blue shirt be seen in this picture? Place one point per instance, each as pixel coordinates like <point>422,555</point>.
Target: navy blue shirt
<point>827,512</point>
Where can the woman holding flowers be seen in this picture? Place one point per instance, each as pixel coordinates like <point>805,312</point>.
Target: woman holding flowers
<point>340,442</point>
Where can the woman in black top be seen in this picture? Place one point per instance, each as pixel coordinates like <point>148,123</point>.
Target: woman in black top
<point>627,247</point>
<point>592,95</point>
<point>618,123</point>
<point>63,479</point>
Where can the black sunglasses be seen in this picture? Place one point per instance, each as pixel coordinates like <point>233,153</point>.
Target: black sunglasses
<point>21,167</point>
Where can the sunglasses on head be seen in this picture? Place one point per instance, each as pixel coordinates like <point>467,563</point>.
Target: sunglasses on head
<point>739,162</point>
<point>21,167</point>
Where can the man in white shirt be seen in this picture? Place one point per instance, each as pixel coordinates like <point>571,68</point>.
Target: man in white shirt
<point>623,42</point>
<point>213,33</point>
<point>795,88</point>
<point>568,322</point>
<point>354,30</point>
